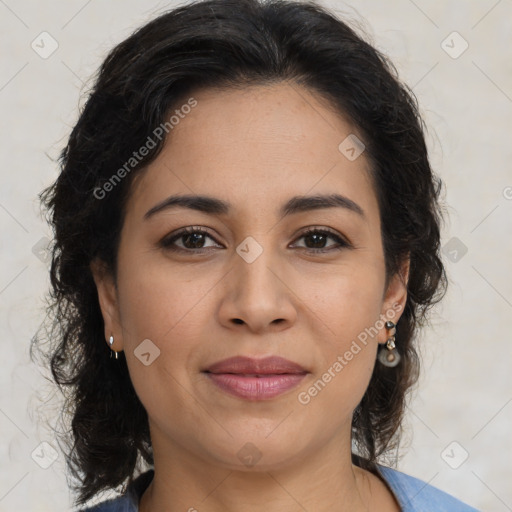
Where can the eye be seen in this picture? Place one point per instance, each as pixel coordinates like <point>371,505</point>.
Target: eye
<point>192,239</point>
<point>318,238</point>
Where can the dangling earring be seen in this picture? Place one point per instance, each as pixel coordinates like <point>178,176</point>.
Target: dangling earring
<point>111,342</point>
<point>389,356</point>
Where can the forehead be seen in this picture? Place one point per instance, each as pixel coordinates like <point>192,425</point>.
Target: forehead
<point>257,146</point>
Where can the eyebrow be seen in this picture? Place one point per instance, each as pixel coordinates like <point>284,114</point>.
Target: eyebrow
<point>215,206</point>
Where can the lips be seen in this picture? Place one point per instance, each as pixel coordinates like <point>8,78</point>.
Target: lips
<point>272,365</point>
<point>255,379</point>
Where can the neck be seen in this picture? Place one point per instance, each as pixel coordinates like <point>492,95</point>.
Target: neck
<point>323,481</point>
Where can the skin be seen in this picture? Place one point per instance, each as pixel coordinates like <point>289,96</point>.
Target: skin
<point>255,148</point>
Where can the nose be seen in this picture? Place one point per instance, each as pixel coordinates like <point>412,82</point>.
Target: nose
<point>258,296</point>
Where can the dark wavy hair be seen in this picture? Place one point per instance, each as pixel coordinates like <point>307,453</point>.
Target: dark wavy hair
<point>224,44</point>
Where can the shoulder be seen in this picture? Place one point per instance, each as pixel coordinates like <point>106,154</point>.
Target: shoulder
<point>120,504</point>
<point>415,495</point>
<point>127,502</point>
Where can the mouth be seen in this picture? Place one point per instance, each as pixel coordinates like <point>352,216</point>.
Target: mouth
<point>255,379</point>
<point>273,365</point>
<point>255,387</point>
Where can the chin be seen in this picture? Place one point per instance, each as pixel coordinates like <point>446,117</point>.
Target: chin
<point>253,453</point>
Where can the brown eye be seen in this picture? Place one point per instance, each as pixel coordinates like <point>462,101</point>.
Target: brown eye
<point>316,239</point>
<point>191,239</point>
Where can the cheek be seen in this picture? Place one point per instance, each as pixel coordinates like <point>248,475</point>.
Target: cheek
<point>348,313</point>
<point>157,300</point>
<point>167,309</point>
<point>345,301</point>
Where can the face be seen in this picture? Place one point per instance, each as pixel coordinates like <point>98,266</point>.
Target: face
<point>250,280</point>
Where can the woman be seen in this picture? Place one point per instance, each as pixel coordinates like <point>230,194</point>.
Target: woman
<point>247,219</point>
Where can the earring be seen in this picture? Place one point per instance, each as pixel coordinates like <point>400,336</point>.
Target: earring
<point>389,356</point>
<point>111,342</point>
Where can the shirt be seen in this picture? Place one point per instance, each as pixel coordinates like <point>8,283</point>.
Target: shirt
<point>412,494</point>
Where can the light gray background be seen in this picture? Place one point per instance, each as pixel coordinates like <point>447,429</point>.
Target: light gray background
<point>465,390</point>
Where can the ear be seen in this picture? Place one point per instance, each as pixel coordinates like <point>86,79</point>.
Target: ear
<point>107,297</point>
<point>395,297</point>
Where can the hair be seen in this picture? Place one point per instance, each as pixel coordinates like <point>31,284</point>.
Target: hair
<point>225,44</point>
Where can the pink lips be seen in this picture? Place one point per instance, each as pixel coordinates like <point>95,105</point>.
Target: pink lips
<point>256,379</point>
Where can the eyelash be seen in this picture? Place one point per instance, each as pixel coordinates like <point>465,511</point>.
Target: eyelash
<point>167,243</point>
